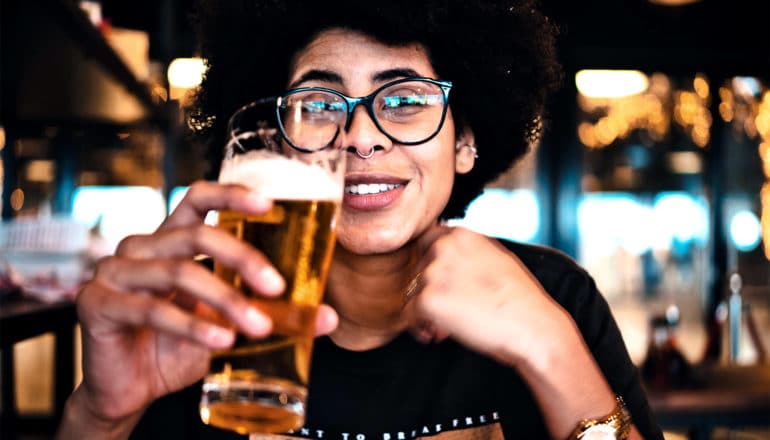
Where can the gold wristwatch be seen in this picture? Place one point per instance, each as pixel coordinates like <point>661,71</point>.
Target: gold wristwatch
<point>615,426</point>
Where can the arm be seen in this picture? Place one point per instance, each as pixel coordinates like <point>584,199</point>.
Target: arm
<point>565,379</point>
<point>496,296</point>
<point>151,315</point>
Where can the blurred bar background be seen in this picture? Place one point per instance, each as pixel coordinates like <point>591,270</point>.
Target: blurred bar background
<point>654,174</point>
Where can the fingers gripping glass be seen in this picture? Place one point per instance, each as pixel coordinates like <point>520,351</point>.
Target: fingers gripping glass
<point>408,111</point>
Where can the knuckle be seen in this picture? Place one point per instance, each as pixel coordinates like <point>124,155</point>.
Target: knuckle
<point>196,190</point>
<point>200,233</point>
<point>106,266</point>
<point>87,299</point>
<point>462,233</point>
<point>130,245</point>
<point>428,274</point>
<point>181,270</point>
<point>435,279</point>
<point>204,238</point>
<point>443,244</point>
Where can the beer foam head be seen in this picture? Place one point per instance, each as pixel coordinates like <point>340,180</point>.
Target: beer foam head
<point>282,178</point>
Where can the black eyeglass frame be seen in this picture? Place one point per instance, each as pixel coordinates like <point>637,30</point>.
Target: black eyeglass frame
<point>352,103</point>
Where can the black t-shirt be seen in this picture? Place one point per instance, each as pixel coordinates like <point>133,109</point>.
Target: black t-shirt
<point>407,390</point>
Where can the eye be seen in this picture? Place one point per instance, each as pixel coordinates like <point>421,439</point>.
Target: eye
<point>314,107</point>
<point>406,101</point>
<point>320,102</point>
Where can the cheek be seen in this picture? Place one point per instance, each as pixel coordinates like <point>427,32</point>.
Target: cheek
<point>437,178</point>
<point>436,188</point>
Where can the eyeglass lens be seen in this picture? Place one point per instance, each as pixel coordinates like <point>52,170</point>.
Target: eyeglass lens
<point>407,112</point>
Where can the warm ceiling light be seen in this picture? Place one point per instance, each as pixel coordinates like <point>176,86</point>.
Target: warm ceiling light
<point>685,162</point>
<point>673,2</point>
<point>611,83</point>
<point>186,73</point>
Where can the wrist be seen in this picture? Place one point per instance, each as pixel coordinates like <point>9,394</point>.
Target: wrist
<point>616,425</point>
<point>547,344</point>
<point>563,375</point>
<point>81,420</point>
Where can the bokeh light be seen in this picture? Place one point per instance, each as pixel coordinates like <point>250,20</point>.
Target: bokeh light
<point>503,213</point>
<point>745,230</point>
<point>119,211</point>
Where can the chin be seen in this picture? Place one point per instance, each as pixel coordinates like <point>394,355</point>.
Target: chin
<point>367,242</point>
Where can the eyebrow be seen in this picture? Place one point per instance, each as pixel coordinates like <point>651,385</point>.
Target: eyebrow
<point>392,74</point>
<point>317,75</point>
<point>332,77</point>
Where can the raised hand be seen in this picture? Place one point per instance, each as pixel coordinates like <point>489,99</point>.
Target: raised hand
<point>473,289</point>
<point>151,314</point>
<point>477,292</point>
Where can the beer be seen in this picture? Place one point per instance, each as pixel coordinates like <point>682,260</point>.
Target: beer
<point>261,385</point>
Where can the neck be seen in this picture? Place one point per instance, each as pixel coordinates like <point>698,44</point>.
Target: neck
<point>367,293</point>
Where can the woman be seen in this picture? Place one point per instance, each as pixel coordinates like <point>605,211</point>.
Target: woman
<point>499,340</point>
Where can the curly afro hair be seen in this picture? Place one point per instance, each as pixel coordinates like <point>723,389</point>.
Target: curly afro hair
<point>499,55</point>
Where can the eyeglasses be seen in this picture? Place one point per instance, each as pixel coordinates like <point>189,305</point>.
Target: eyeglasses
<point>408,111</point>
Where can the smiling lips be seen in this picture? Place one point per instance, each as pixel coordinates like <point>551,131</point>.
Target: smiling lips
<point>369,193</point>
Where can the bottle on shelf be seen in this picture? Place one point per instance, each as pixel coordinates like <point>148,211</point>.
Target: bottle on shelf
<point>665,366</point>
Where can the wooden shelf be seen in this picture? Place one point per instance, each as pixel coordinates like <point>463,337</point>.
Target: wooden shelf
<point>77,25</point>
<point>57,67</point>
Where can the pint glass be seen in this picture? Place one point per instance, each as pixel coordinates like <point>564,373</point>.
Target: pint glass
<point>261,385</point>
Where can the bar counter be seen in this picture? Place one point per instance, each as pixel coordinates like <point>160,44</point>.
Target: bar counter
<point>728,396</point>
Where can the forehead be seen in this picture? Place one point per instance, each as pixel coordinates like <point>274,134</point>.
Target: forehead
<point>356,56</point>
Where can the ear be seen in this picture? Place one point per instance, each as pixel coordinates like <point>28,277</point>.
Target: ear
<point>465,152</point>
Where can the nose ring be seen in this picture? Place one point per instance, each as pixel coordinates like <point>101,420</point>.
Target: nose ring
<point>367,155</point>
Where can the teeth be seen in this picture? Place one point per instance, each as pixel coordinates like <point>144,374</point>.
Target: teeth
<point>370,188</point>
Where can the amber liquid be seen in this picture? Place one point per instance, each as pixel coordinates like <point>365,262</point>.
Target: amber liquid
<point>261,385</point>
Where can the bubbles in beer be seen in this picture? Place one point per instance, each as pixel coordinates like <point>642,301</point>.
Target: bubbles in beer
<point>260,385</point>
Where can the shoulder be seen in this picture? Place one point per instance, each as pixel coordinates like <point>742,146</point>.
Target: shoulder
<point>544,259</point>
<point>561,276</point>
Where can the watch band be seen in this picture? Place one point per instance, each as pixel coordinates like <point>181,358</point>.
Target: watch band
<point>618,423</point>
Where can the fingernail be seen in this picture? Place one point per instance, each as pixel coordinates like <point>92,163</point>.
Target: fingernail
<point>272,281</point>
<point>220,336</point>
<point>259,323</point>
<point>259,202</point>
